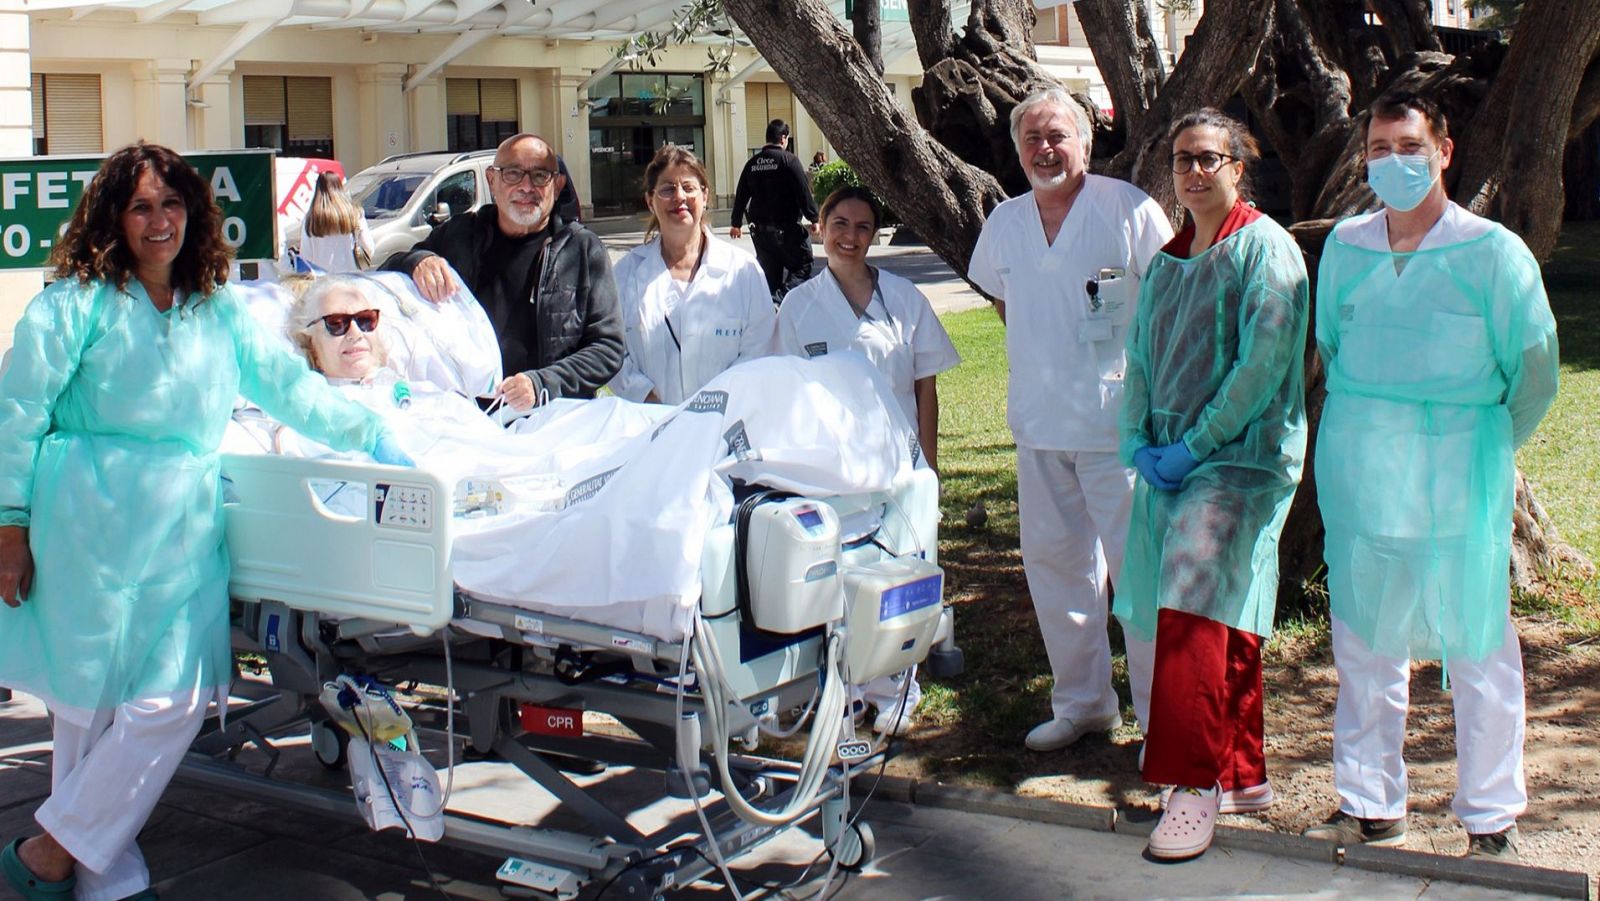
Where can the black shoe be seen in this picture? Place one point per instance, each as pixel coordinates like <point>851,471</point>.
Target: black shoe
<point>1501,846</point>
<point>1344,829</point>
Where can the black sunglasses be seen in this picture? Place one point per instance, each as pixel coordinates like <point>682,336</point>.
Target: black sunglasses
<point>339,323</point>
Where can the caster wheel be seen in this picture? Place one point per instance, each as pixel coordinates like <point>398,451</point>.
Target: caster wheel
<point>330,744</point>
<point>856,847</point>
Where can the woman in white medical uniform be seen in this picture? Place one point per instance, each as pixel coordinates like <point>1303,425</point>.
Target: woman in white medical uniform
<point>851,306</point>
<point>692,304</point>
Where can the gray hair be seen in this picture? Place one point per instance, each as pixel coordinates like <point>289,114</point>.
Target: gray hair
<point>1058,96</point>
<point>307,313</point>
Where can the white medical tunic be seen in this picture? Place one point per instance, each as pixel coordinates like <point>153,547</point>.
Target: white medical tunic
<point>679,335</point>
<point>899,332</point>
<point>1066,346</point>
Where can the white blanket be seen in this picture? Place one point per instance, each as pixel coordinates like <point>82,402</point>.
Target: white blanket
<point>611,501</point>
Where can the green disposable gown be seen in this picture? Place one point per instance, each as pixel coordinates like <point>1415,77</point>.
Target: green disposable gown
<point>1215,361</point>
<point>1436,373</point>
<point>110,417</point>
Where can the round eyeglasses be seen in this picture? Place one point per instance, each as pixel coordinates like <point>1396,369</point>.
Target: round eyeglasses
<point>1208,162</point>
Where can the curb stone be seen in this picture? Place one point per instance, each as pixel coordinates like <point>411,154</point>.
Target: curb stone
<point>1420,864</point>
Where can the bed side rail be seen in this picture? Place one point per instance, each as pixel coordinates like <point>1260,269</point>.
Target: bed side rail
<point>390,564</point>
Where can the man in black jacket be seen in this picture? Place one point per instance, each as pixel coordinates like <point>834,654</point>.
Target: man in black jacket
<point>775,188</point>
<point>545,283</point>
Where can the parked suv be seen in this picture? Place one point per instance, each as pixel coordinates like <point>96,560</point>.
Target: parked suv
<point>405,196</point>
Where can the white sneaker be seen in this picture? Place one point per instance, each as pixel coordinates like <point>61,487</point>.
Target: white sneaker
<point>1053,735</point>
<point>890,721</point>
<point>1254,799</point>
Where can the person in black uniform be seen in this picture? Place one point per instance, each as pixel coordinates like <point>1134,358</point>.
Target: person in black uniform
<point>777,192</point>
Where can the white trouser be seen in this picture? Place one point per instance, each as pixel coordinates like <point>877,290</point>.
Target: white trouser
<point>106,778</point>
<point>1073,507</point>
<point>1141,670</point>
<point>1369,731</point>
<point>885,691</point>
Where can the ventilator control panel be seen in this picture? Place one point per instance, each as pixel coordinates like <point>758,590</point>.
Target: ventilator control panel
<point>403,506</point>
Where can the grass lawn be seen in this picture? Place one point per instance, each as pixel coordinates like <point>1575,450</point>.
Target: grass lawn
<point>1006,686</point>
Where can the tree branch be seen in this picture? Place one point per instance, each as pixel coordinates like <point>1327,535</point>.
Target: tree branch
<point>866,23</point>
<point>892,154</point>
<point>930,26</point>
<point>1213,68</point>
<point>1512,157</point>
<point>1123,43</point>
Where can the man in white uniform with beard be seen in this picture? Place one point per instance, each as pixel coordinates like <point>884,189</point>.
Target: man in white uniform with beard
<point>1063,263</point>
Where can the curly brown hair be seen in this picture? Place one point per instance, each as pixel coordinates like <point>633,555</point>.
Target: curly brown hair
<point>94,247</point>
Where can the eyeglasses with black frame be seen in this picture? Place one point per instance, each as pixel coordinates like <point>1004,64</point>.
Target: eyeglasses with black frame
<point>339,323</point>
<point>1209,162</point>
<point>513,175</point>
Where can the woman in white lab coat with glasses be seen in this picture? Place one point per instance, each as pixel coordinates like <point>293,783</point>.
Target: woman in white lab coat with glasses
<point>692,304</point>
<point>851,306</point>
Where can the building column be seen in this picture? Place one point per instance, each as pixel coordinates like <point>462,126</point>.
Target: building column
<point>213,121</point>
<point>731,157</point>
<point>16,139</point>
<point>425,109</point>
<point>572,120</point>
<point>384,129</point>
<point>161,110</point>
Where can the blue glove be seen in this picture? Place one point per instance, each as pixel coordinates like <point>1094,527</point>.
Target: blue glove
<point>1174,463</point>
<point>387,451</point>
<point>1146,459</point>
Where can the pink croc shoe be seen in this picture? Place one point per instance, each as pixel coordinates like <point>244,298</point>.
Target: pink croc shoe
<point>1186,828</point>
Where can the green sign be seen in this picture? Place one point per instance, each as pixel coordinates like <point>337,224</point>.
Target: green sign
<point>888,10</point>
<point>38,195</point>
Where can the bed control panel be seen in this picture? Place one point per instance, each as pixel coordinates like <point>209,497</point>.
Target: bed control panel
<point>403,506</point>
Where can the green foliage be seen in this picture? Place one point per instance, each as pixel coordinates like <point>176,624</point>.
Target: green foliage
<point>1498,15</point>
<point>700,17</point>
<point>838,174</point>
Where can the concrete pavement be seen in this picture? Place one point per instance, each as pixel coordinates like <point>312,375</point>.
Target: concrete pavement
<point>203,844</point>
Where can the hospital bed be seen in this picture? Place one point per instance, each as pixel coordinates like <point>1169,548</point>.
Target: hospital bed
<point>800,596</point>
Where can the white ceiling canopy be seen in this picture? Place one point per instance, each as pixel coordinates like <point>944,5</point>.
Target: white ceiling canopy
<point>472,21</point>
<point>605,20</point>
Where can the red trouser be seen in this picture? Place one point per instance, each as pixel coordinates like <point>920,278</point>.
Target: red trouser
<point>1206,721</point>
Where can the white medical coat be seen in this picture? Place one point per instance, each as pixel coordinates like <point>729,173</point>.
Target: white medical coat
<point>900,335</point>
<point>677,340</point>
<point>1066,351</point>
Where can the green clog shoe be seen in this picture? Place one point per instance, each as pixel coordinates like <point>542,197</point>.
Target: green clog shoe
<point>29,886</point>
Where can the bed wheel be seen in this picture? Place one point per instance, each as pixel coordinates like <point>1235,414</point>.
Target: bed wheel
<point>330,744</point>
<point>856,847</point>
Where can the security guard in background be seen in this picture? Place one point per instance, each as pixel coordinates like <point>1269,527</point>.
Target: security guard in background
<point>774,187</point>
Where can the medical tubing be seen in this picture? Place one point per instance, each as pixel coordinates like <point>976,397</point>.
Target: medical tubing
<point>805,714</point>
<point>910,526</point>
<point>449,730</point>
<point>819,747</point>
<point>694,791</point>
<point>399,809</point>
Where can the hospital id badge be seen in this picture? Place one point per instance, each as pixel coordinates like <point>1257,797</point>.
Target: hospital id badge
<point>1095,329</point>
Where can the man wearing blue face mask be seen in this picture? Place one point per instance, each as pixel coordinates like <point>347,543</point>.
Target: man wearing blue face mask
<point>1441,356</point>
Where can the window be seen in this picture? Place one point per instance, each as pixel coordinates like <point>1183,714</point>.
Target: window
<point>66,114</point>
<point>459,190</point>
<point>292,113</point>
<point>479,112</point>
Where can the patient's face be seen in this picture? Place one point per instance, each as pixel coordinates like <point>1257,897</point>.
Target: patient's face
<point>355,354</point>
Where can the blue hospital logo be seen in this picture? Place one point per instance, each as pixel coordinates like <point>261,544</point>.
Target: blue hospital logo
<point>727,332</point>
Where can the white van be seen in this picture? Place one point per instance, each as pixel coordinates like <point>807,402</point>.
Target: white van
<point>405,196</point>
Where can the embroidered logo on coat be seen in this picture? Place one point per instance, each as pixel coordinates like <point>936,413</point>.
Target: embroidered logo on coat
<point>817,349</point>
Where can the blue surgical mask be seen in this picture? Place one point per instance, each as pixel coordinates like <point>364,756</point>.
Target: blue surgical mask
<point>1401,181</point>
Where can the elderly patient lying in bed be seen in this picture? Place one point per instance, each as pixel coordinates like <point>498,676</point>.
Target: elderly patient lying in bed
<point>607,502</point>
